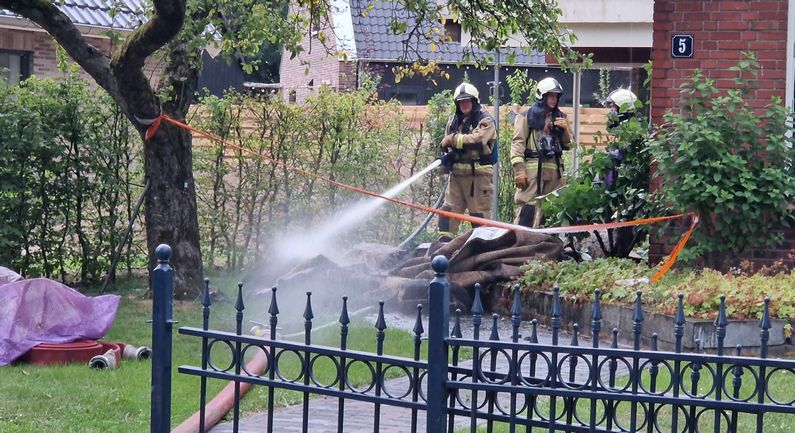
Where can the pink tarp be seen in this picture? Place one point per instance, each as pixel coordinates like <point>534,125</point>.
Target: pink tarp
<point>45,311</point>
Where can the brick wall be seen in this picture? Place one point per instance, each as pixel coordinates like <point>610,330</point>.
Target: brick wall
<point>721,30</point>
<point>348,76</point>
<point>42,45</point>
<point>315,65</point>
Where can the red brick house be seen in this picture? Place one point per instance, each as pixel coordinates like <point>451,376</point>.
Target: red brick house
<point>721,31</point>
<point>26,49</point>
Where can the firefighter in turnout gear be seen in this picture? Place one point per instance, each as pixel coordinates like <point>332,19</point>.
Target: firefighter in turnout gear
<point>539,139</point>
<point>468,147</point>
<point>621,103</point>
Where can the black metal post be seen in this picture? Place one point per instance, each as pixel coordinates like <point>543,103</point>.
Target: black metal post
<point>273,311</point>
<point>456,333</point>
<point>344,321</point>
<point>438,331</point>
<point>206,302</point>
<point>239,307</point>
<point>477,313</point>
<point>721,322</point>
<point>415,390</point>
<point>637,329</point>
<point>596,328</point>
<point>380,326</point>
<point>307,367</point>
<point>162,300</point>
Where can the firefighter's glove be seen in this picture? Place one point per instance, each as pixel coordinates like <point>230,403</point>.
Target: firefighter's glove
<point>521,181</point>
<point>447,160</point>
<point>448,141</point>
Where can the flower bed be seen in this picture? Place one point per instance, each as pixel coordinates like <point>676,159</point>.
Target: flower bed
<point>619,279</point>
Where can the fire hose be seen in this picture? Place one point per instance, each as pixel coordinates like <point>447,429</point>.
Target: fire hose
<point>428,217</point>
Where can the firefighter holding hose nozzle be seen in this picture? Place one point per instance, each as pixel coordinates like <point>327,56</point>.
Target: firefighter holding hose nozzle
<point>468,155</point>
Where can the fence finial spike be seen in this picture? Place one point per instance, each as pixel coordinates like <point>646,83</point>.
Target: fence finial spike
<point>273,310</point>
<point>596,317</point>
<point>597,305</point>
<point>344,318</point>
<point>439,264</point>
<point>206,301</point>
<point>575,331</point>
<point>533,332</point>
<point>163,253</point>
<point>516,308</point>
<point>637,316</point>
<point>456,333</point>
<point>477,305</point>
<point>556,311</point>
<point>614,343</point>
<point>738,350</point>
<point>308,314</point>
<point>722,320</point>
<point>654,342</point>
<point>495,334</point>
<point>680,310</point>
<point>239,306</point>
<point>380,323</point>
<point>765,322</point>
<point>418,329</point>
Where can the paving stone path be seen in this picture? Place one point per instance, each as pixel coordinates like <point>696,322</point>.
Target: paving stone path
<point>359,415</point>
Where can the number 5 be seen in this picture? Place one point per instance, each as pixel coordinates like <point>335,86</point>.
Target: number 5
<point>682,47</point>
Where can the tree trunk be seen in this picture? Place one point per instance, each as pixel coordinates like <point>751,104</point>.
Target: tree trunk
<point>170,213</point>
<point>170,207</point>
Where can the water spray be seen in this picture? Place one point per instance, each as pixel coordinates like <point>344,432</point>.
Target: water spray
<point>307,246</point>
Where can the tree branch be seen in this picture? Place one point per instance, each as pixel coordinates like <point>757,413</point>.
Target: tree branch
<point>166,22</point>
<point>58,25</point>
<point>128,62</point>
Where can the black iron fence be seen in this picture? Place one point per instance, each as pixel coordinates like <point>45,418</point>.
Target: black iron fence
<point>518,384</point>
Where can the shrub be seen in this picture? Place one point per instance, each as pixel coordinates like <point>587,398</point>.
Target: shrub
<point>619,279</point>
<point>67,169</point>
<point>244,201</point>
<point>729,162</point>
<point>611,185</point>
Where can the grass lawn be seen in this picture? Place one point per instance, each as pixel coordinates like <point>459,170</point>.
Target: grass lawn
<point>75,398</point>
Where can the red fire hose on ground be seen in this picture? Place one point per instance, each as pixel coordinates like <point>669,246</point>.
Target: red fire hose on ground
<point>222,403</point>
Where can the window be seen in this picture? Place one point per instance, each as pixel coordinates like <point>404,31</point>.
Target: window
<point>14,66</point>
<point>452,29</point>
<point>404,97</point>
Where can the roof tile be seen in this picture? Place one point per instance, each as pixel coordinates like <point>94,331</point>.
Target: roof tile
<point>376,41</point>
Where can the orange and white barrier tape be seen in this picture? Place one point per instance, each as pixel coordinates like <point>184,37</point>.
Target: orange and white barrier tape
<point>669,262</point>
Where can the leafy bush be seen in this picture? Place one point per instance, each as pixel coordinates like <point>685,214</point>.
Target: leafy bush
<point>244,201</point>
<point>729,162</point>
<point>67,169</point>
<point>612,185</point>
<point>619,279</point>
